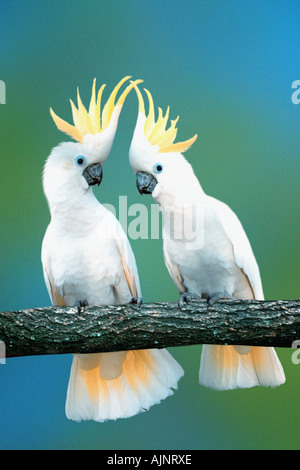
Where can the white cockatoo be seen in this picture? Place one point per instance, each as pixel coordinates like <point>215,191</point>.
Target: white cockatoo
<point>87,260</point>
<point>206,250</point>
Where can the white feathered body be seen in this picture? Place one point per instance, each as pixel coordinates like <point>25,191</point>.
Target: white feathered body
<point>87,258</point>
<point>222,261</point>
<point>213,267</point>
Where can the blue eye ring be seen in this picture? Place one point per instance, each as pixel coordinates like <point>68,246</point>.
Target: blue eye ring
<point>80,160</point>
<point>158,167</point>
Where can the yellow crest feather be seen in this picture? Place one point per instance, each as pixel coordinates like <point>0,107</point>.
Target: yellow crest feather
<point>156,132</point>
<point>92,121</point>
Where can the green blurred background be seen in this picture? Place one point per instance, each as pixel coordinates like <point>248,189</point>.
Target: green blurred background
<point>226,67</point>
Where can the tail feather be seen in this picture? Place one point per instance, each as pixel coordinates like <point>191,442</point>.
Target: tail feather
<point>268,367</point>
<point>119,385</point>
<point>229,367</point>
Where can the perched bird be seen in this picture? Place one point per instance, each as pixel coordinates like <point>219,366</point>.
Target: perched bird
<point>87,260</point>
<point>206,250</point>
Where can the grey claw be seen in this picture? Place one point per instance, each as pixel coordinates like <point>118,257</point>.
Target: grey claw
<point>81,304</point>
<point>136,300</point>
<point>218,296</point>
<point>181,301</point>
<point>186,297</point>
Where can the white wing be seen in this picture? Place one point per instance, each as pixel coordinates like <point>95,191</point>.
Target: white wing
<point>127,259</point>
<point>243,254</point>
<point>174,271</point>
<point>55,295</point>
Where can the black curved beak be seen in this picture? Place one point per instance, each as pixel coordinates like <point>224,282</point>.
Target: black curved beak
<point>145,182</point>
<point>93,174</point>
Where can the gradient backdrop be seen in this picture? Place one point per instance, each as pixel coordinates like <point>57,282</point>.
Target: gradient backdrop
<point>226,67</point>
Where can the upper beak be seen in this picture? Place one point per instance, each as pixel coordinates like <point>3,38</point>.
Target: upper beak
<point>93,174</point>
<point>145,182</point>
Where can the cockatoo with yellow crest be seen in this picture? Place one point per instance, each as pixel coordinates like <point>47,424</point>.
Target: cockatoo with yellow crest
<point>87,260</point>
<point>206,250</point>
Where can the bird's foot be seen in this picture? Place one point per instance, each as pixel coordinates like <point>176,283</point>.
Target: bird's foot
<point>136,300</point>
<point>211,300</point>
<point>81,304</point>
<point>186,297</point>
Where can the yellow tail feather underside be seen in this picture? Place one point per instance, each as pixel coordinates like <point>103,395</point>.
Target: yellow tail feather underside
<point>133,368</point>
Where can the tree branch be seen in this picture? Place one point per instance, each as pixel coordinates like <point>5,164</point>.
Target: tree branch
<point>61,330</point>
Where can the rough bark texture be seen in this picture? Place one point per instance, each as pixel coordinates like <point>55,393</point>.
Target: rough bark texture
<point>60,330</point>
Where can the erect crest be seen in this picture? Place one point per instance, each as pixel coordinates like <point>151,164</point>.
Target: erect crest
<point>94,121</point>
<point>156,132</point>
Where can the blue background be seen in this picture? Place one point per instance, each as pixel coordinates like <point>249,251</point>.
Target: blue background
<point>226,67</point>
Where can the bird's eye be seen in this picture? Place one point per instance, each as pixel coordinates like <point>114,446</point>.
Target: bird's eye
<point>80,160</point>
<point>158,167</point>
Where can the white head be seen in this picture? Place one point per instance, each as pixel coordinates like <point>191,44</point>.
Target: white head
<point>76,166</point>
<point>160,168</point>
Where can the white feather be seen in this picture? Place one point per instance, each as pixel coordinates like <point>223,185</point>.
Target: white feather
<point>242,251</point>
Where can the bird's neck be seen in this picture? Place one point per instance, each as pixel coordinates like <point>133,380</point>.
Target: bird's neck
<point>187,194</point>
<point>183,213</point>
<point>75,212</point>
